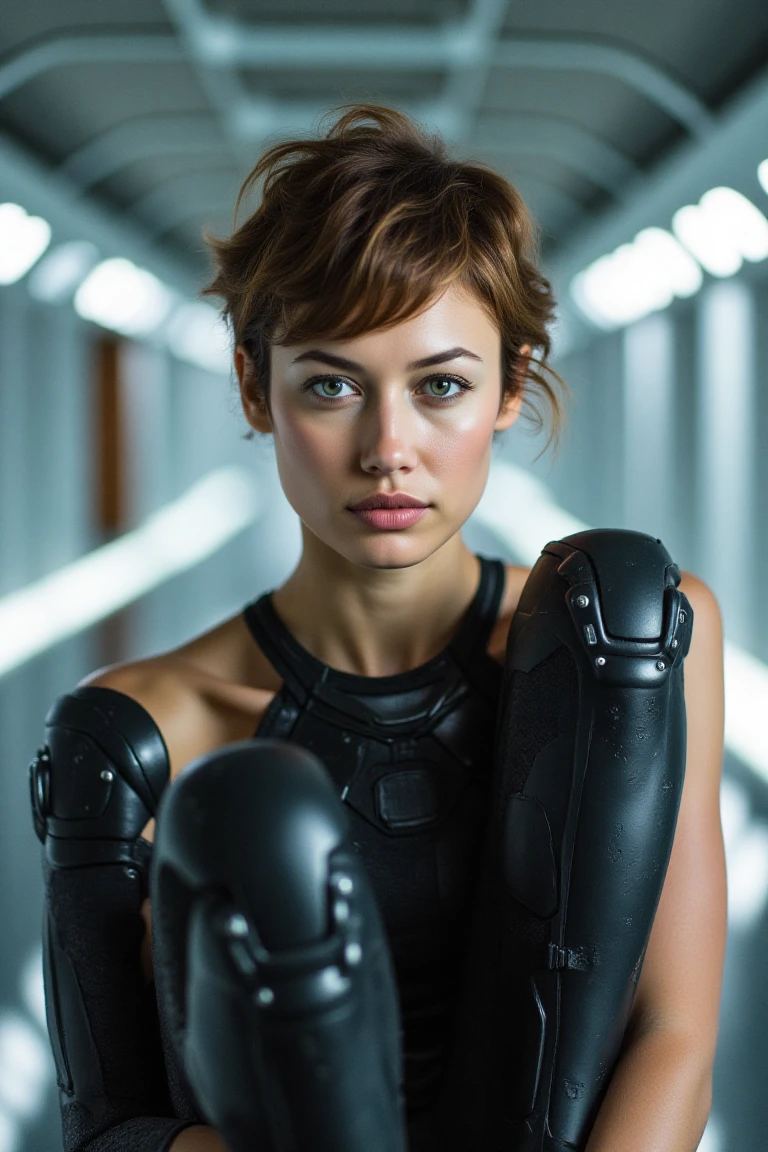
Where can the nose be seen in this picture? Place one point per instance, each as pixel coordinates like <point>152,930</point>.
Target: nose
<point>388,431</point>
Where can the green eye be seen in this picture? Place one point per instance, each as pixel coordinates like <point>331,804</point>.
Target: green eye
<point>441,381</point>
<point>331,387</point>
<point>440,386</point>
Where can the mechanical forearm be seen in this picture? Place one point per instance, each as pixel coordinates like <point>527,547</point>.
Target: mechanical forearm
<point>94,784</point>
<point>590,762</point>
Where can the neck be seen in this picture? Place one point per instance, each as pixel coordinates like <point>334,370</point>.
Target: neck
<point>377,621</point>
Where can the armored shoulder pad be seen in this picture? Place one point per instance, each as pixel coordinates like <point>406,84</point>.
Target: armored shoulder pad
<point>632,571</point>
<point>98,778</point>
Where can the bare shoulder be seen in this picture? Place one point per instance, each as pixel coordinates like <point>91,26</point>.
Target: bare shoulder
<point>704,673</point>
<point>702,599</point>
<point>207,692</point>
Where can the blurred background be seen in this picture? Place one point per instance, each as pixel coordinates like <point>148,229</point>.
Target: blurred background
<point>133,514</point>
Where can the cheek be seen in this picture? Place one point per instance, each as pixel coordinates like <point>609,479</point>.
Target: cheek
<point>307,455</point>
<point>463,448</point>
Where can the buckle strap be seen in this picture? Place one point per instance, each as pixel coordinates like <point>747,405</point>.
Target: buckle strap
<point>574,958</point>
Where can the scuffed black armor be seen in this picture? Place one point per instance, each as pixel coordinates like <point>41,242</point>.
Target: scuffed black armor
<point>588,778</point>
<point>94,785</point>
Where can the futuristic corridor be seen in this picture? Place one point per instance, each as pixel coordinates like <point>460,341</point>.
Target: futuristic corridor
<point>135,513</point>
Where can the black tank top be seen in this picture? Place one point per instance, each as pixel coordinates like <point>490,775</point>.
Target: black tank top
<point>411,757</point>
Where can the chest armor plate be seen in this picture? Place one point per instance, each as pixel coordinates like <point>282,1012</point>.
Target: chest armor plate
<point>411,756</point>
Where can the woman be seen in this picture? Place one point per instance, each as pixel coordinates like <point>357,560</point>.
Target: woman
<point>386,307</point>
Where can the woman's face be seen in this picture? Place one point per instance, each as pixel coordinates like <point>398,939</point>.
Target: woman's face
<point>406,410</point>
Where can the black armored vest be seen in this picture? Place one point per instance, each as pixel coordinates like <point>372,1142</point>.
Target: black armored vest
<point>411,755</point>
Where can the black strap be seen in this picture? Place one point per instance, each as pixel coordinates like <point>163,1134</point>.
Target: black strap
<point>300,670</point>
<point>476,627</point>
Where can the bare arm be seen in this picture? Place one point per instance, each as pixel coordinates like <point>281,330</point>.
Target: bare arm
<point>660,1093</point>
<point>198,1139</point>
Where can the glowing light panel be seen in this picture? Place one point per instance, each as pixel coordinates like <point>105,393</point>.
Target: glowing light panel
<point>23,239</point>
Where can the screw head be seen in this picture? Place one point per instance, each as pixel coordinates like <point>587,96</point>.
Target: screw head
<point>345,885</point>
<point>341,910</point>
<point>600,660</point>
<point>581,601</point>
<point>265,996</point>
<point>353,953</point>
<point>681,616</point>
<point>237,925</point>
<point>107,776</point>
<point>674,643</point>
<point>660,665</point>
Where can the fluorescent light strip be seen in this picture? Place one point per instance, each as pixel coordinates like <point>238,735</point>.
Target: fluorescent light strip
<point>522,512</point>
<point>762,175</point>
<point>23,239</point>
<point>171,541</point>
<point>636,279</point>
<point>119,296</point>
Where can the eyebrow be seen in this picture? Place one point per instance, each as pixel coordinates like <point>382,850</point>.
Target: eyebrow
<point>352,365</point>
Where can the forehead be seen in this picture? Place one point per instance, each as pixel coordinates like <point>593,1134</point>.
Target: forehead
<point>456,317</point>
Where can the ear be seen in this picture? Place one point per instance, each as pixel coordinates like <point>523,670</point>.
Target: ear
<point>251,396</point>
<point>512,405</point>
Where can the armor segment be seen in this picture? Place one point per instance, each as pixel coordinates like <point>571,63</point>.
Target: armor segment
<point>94,785</point>
<point>272,965</point>
<point>588,776</point>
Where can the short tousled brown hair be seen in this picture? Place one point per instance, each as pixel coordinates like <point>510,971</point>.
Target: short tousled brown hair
<point>362,227</point>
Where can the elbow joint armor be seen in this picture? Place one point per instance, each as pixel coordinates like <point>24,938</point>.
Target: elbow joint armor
<point>98,778</point>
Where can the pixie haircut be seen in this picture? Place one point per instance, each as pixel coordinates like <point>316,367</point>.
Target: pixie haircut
<point>362,227</point>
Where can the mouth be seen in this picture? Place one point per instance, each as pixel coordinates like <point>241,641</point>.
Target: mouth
<point>382,500</point>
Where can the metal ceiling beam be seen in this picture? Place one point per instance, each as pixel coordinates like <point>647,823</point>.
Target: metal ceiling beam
<point>198,209</point>
<point>536,188</point>
<point>168,204</point>
<point>220,41</point>
<point>57,51</point>
<point>560,140</point>
<point>137,139</point>
<point>182,197</point>
<point>630,68</point>
<point>147,136</point>
<point>159,201</point>
<point>73,216</point>
<point>220,82</point>
<point>730,154</point>
<point>465,82</point>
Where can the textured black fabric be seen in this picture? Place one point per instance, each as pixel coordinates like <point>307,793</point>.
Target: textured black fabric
<point>411,755</point>
<point>94,930</point>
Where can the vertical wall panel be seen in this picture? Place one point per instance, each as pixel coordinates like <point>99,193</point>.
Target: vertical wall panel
<point>726,456</point>
<point>648,464</point>
<point>759,636</point>
<point>16,443</point>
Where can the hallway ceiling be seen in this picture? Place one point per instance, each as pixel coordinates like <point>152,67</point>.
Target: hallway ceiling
<point>157,109</point>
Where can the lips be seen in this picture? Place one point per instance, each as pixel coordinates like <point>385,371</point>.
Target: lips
<point>385,500</point>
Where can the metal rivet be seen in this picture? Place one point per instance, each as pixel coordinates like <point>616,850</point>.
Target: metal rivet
<point>681,616</point>
<point>600,661</point>
<point>131,873</point>
<point>265,996</point>
<point>237,925</point>
<point>107,775</point>
<point>341,910</point>
<point>353,953</point>
<point>345,885</point>
<point>674,643</point>
<point>660,665</point>
<point>581,601</point>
